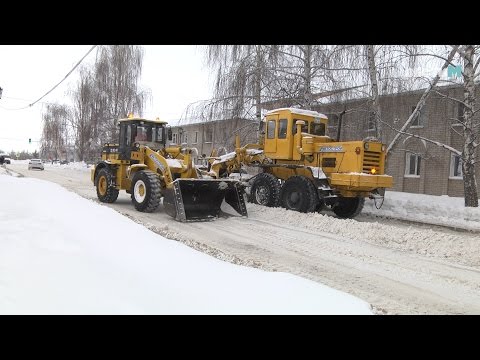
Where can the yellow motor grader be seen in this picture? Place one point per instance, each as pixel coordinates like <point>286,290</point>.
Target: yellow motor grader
<point>302,169</point>
<point>144,167</point>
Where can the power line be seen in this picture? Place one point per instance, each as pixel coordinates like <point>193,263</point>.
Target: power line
<point>48,92</point>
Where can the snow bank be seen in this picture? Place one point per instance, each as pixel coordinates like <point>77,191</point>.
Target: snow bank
<point>63,254</point>
<point>463,250</point>
<point>437,210</point>
<point>77,165</point>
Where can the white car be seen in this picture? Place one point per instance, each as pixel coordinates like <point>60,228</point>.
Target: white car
<point>35,164</point>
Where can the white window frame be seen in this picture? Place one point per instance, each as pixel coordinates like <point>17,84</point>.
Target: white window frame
<point>371,126</point>
<point>407,165</point>
<point>185,138</point>
<point>174,138</point>
<point>195,138</point>
<point>421,118</point>
<point>208,140</point>
<point>452,167</point>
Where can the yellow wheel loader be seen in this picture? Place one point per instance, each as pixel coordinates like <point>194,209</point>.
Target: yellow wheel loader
<point>144,167</point>
<point>302,169</point>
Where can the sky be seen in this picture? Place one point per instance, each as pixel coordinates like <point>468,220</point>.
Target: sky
<point>54,264</point>
<point>175,74</point>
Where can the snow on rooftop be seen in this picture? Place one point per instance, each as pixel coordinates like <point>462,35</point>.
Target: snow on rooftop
<point>299,111</point>
<point>63,254</point>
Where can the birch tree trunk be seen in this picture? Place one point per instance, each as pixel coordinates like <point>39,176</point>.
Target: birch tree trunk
<point>307,73</point>
<point>372,72</point>
<point>258,90</point>
<point>468,155</point>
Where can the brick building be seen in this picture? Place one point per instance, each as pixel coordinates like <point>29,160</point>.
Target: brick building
<point>416,165</point>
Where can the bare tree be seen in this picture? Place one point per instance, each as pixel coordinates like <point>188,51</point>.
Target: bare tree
<point>242,76</point>
<point>54,133</point>
<point>116,92</point>
<point>470,123</point>
<point>83,109</point>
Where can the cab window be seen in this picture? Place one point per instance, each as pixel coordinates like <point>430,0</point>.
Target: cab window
<point>158,135</point>
<point>271,129</point>
<point>304,127</point>
<point>282,129</point>
<point>317,129</point>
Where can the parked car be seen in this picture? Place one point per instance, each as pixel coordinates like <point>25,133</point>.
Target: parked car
<point>35,164</point>
<point>7,160</point>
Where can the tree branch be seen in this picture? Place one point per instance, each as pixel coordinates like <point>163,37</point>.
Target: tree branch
<point>447,147</point>
<point>422,100</point>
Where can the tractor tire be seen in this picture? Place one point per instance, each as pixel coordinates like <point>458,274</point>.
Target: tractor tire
<point>348,207</point>
<point>265,190</point>
<point>104,182</point>
<point>145,191</point>
<point>299,194</point>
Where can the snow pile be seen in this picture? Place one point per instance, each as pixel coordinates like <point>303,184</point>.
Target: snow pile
<point>421,241</point>
<point>174,163</point>
<point>6,171</point>
<point>63,254</point>
<point>437,210</point>
<point>254,152</point>
<point>77,165</point>
<point>224,158</point>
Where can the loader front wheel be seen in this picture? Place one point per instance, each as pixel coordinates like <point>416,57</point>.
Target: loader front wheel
<point>348,207</point>
<point>299,194</point>
<point>265,190</point>
<point>106,191</point>
<point>145,191</point>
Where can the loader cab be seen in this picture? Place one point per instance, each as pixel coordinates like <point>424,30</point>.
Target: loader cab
<point>133,131</point>
<point>281,130</point>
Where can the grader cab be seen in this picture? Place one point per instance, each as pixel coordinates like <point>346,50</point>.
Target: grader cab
<point>144,167</point>
<point>302,169</point>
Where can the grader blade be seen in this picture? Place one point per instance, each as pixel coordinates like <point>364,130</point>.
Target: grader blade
<point>201,199</point>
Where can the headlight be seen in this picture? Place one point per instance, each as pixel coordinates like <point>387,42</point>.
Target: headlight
<point>365,145</point>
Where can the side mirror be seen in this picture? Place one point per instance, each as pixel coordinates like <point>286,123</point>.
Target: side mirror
<point>169,132</point>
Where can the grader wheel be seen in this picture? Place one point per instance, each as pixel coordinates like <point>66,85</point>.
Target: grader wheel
<point>348,207</point>
<point>299,194</point>
<point>265,190</point>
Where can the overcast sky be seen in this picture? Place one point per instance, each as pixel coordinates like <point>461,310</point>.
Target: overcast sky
<point>175,74</point>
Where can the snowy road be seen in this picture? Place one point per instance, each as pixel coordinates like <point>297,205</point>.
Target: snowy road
<point>398,268</point>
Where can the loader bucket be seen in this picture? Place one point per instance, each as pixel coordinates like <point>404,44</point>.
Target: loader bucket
<point>200,199</point>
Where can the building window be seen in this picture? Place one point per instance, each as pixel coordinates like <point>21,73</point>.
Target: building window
<point>195,137</point>
<point>208,135</point>
<point>271,129</point>
<point>371,121</point>
<point>185,138</point>
<point>412,164</point>
<point>282,129</point>
<point>461,112</point>
<point>456,167</point>
<point>175,138</point>
<point>419,119</point>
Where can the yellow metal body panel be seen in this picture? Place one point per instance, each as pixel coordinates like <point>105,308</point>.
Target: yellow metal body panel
<point>360,182</point>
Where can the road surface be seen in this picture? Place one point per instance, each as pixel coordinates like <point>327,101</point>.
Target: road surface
<point>398,267</point>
